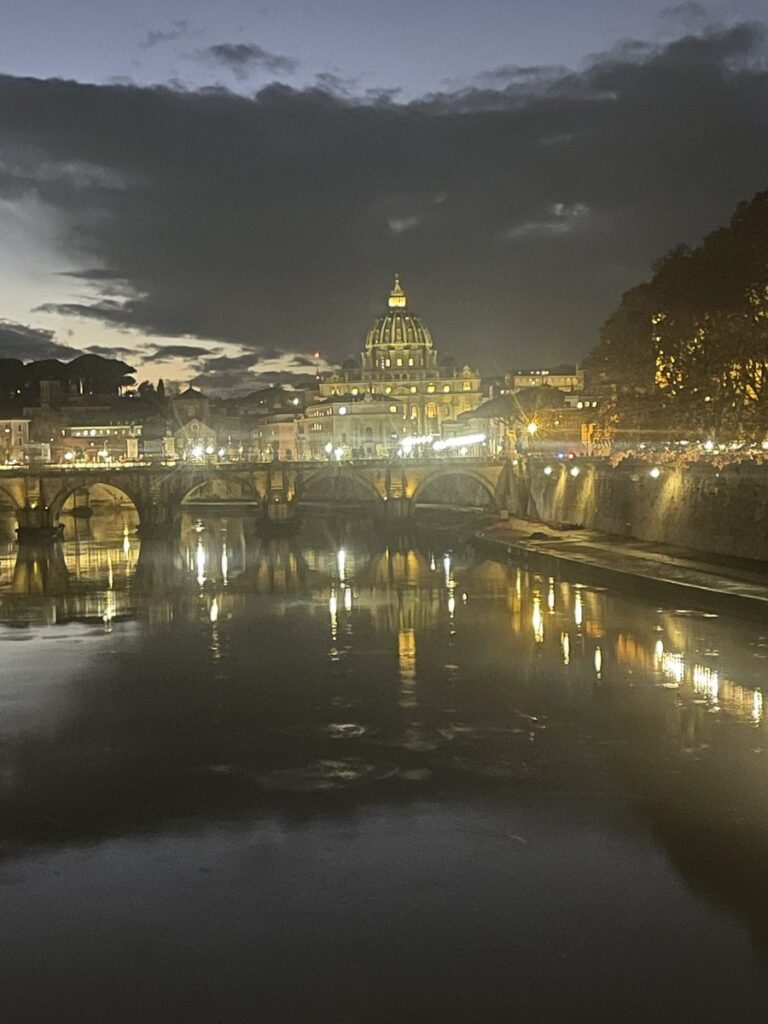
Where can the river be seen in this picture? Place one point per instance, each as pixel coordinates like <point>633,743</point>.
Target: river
<point>345,776</point>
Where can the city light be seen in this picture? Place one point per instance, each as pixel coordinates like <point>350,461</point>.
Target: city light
<point>574,471</point>
<point>655,472</point>
<point>409,443</point>
<point>532,428</point>
<point>547,471</point>
<point>458,442</point>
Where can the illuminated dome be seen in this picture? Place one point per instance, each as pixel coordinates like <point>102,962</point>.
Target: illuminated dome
<point>398,328</point>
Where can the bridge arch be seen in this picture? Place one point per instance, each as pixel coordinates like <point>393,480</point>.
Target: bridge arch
<point>219,487</point>
<point>87,483</point>
<point>456,486</point>
<point>338,485</point>
<point>8,501</point>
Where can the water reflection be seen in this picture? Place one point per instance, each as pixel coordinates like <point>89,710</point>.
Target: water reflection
<point>231,677</point>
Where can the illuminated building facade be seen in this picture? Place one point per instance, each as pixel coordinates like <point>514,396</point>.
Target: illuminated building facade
<point>400,363</point>
<point>564,378</point>
<point>367,429</point>
<point>14,437</point>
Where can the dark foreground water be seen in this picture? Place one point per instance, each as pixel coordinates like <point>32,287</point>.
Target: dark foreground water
<point>345,777</point>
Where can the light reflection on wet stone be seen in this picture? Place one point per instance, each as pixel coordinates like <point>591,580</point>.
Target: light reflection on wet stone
<point>367,726</point>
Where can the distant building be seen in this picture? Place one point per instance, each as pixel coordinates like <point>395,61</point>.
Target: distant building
<point>400,364</point>
<point>564,378</point>
<point>14,435</point>
<point>117,442</point>
<point>191,404</point>
<point>368,428</point>
<point>194,438</point>
<point>275,437</point>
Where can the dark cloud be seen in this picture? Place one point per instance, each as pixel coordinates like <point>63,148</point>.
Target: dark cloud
<point>228,382</point>
<point>228,363</point>
<point>93,274</point>
<point>689,16</point>
<point>19,341</point>
<point>516,210</point>
<point>157,37</point>
<point>164,353</point>
<point>242,59</point>
<point>113,352</point>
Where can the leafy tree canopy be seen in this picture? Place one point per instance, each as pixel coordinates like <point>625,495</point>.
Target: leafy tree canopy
<point>689,348</point>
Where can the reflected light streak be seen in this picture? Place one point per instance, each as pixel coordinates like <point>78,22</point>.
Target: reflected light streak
<point>214,613</point>
<point>673,667</point>
<point>565,647</point>
<point>224,562</point>
<point>598,662</point>
<point>757,707</point>
<point>341,562</point>
<point>348,599</point>
<point>537,620</point>
<point>706,682</point>
<point>333,610</point>
<point>658,654</point>
<point>200,559</point>
<point>578,609</point>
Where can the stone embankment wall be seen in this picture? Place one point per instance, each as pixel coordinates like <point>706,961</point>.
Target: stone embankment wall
<point>719,511</point>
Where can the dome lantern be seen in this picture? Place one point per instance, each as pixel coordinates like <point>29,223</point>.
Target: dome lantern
<point>397,297</point>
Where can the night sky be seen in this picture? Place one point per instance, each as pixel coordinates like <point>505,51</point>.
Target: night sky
<point>215,191</point>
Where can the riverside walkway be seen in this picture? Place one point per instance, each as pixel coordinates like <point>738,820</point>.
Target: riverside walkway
<point>707,579</point>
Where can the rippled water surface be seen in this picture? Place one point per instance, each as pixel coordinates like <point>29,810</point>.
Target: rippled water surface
<point>349,777</point>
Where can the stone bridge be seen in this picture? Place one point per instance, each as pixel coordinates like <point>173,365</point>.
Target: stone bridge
<point>388,489</point>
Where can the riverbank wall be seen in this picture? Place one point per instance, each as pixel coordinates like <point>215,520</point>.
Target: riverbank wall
<point>719,511</point>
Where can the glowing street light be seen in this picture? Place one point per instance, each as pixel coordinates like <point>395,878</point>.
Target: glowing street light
<point>655,472</point>
<point>532,428</point>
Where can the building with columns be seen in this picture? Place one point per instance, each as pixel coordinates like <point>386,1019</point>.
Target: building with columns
<point>401,364</point>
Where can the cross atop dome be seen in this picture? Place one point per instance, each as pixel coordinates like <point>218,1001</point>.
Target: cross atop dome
<point>397,297</point>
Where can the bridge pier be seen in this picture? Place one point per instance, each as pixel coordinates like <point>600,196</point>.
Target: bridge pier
<point>35,524</point>
<point>398,509</point>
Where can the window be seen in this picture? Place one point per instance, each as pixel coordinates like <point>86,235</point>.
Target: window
<point>432,411</point>
<point>413,389</point>
<point>446,388</point>
<point>410,361</point>
<point>431,388</point>
<point>399,361</point>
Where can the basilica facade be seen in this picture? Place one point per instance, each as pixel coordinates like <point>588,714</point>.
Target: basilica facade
<point>401,365</point>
